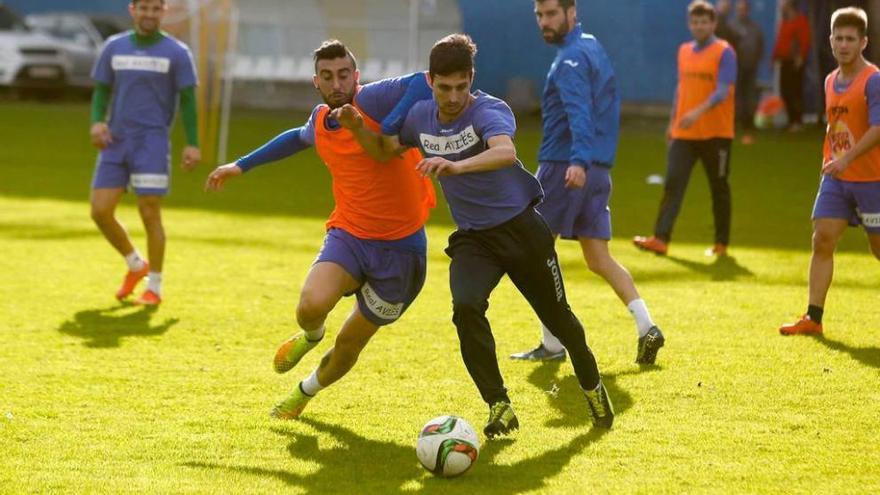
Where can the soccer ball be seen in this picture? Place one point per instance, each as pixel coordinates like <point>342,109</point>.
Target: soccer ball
<point>448,446</point>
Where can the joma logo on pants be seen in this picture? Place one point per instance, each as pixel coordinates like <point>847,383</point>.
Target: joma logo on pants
<point>557,278</point>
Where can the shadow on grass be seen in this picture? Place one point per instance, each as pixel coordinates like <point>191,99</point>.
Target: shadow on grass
<point>869,356</point>
<point>104,328</point>
<point>721,269</point>
<point>566,398</point>
<point>354,464</point>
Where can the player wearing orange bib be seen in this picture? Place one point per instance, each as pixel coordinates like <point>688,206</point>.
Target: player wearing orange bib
<point>849,193</point>
<point>375,245</point>
<point>700,128</point>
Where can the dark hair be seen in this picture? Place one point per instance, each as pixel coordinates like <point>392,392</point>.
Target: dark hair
<point>850,17</point>
<point>134,2</point>
<point>563,4</point>
<point>701,8</point>
<point>453,53</point>
<point>332,49</point>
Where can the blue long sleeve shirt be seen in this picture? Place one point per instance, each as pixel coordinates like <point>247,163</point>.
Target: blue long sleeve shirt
<point>580,104</point>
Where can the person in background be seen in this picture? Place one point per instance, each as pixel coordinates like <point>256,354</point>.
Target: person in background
<point>749,52</point>
<point>791,50</point>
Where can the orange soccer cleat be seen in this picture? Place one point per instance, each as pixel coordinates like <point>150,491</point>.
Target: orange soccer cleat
<point>717,250</point>
<point>148,298</point>
<point>805,326</point>
<point>131,280</point>
<point>653,244</point>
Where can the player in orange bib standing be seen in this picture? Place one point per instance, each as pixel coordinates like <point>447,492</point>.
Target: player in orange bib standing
<point>700,127</point>
<point>849,193</point>
<point>375,244</point>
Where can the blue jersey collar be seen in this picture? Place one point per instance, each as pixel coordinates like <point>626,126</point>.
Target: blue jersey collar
<point>700,47</point>
<point>572,35</point>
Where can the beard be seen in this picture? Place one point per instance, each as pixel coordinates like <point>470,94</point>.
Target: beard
<point>336,100</point>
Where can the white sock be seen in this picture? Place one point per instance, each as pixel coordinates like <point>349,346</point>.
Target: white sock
<point>154,282</point>
<point>639,310</point>
<point>314,335</point>
<point>134,261</point>
<point>551,343</point>
<point>310,385</point>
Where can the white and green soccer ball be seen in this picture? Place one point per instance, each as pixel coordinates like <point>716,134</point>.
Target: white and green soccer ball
<point>448,446</point>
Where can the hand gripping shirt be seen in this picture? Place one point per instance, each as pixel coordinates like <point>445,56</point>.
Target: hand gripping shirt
<point>478,200</point>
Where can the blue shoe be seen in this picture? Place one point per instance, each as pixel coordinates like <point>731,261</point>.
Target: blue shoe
<point>649,345</point>
<point>539,353</point>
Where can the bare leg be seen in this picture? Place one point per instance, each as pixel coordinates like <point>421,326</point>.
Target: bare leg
<point>600,262</point>
<point>325,285</point>
<point>874,241</point>
<point>103,211</point>
<point>151,215</point>
<point>352,339</point>
<point>826,234</point>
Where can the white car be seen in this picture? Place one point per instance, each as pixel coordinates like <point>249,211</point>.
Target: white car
<point>29,60</point>
<point>82,37</point>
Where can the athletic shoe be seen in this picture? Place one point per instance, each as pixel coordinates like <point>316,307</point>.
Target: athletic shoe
<point>717,250</point>
<point>539,353</point>
<point>148,298</point>
<point>652,244</point>
<point>601,410</point>
<point>502,420</point>
<point>292,406</point>
<point>291,351</point>
<point>805,326</point>
<point>649,345</point>
<point>131,280</point>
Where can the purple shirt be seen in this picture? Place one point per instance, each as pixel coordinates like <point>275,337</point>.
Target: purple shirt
<point>872,96</point>
<point>146,81</point>
<point>478,200</point>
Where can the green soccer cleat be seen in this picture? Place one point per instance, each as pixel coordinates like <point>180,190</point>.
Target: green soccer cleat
<point>292,406</point>
<point>646,352</point>
<point>291,351</point>
<point>601,410</point>
<point>502,420</point>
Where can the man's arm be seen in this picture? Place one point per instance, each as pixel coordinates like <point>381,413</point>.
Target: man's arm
<point>501,153</point>
<point>99,131</point>
<point>285,144</point>
<point>726,80</point>
<point>374,144</point>
<point>189,113</point>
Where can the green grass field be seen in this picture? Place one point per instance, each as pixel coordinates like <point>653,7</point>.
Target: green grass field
<point>98,397</point>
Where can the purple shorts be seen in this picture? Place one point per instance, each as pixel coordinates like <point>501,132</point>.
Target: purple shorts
<point>575,213</point>
<point>141,162</point>
<point>856,202</point>
<point>390,277</point>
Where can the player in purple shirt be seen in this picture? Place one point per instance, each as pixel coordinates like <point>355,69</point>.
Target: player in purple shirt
<point>147,72</point>
<point>467,141</point>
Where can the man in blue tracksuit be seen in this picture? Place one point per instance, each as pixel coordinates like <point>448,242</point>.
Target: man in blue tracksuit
<point>581,114</point>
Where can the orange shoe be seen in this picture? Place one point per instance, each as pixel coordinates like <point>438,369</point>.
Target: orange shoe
<point>148,298</point>
<point>805,326</point>
<point>652,244</point>
<point>717,250</point>
<point>131,280</point>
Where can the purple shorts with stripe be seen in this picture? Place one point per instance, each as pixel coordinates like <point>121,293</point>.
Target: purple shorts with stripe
<point>856,202</point>
<point>390,277</point>
<point>575,213</point>
<point>141,162</point>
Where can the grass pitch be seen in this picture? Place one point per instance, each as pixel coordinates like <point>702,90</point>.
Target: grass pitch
<point>98,397</point>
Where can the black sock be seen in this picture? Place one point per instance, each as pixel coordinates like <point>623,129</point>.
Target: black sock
<point>815,313</point>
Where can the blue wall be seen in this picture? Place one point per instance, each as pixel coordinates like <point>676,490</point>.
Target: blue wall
<point>641,36</point>
<point>24,7</point>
